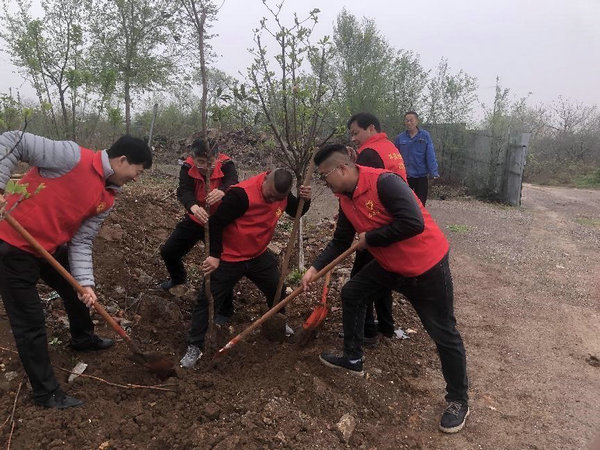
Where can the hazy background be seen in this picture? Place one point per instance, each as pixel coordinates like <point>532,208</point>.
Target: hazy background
<point>548,48</point>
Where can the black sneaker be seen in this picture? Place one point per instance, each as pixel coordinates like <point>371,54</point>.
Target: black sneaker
<point>221,320</point>
<point>168,284</point>
<point>60,400</point>
<point>341,362</point>
<point>94,344</point>
<point>370,341</point>
<point>454,417</point>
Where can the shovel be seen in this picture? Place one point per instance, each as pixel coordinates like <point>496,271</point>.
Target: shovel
<point>266,316</point>
<point>316,318</point>
<point>160,365</point>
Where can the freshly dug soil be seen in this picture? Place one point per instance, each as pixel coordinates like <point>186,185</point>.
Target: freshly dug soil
<point>526,298</point>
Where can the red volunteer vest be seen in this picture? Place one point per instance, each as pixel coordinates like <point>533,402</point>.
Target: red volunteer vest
<point>55,213</point>
<point>248,236</point>
<point>387,151</point>
<point>409,258</point>
<point>216,180</point>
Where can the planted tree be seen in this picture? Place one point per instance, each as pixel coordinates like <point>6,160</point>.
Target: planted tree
<point>291,85</point>
<point>199,14</point>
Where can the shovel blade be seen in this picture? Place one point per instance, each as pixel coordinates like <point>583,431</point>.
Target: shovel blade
<point>162,366</point>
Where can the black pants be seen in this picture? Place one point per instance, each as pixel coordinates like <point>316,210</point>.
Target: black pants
<point>19,274</point>
<point>432,297</point>
<point>382,302</point>
<point>186,234</point>
<point>263,271</point>
<point>420,186</point>
<point>184,237</point>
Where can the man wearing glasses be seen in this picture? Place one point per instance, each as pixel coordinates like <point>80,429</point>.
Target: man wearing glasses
<point>410,256</point>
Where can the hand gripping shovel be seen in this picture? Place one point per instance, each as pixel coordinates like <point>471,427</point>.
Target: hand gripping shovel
<point>282,303</point>
<point>160,365</point>
<point>316,318</point>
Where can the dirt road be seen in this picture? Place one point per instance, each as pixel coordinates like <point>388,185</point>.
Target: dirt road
<point>528,302</point>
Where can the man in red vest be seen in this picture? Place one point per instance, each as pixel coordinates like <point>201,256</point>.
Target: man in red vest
<point>72,191</point>
<point>410,256</point>
<point>240,231</point>
<point>191,192</point>
<point>374,149</point>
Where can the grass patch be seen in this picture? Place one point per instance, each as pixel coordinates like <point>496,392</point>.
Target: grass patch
<point>591,180</point>
<point>295,276</point>
<point>459,228</point>
<point>587,221</point>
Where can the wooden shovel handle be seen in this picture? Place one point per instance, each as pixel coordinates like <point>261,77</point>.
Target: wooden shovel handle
<point>275,309</point>
<point>67,276</point>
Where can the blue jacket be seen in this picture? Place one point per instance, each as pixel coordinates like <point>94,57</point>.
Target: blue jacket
<point>418,154</point>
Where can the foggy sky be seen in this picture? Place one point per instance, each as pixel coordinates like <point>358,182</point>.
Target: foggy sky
<point>546,47</point>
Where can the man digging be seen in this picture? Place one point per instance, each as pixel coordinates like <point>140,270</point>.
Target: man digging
<point>240,231</point>
<point>72,192</point>
<point>410,256</point>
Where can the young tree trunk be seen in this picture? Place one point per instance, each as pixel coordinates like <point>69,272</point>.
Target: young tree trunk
<point>127,105</point>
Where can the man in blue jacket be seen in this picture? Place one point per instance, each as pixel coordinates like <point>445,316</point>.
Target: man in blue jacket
<point>418,153</point>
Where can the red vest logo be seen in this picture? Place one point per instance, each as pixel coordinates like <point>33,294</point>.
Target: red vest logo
<point>371,208</point>
<point>279,212</point>
<point>101,207</point>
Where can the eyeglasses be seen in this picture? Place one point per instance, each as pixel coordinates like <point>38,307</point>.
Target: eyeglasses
<point>323,176</point>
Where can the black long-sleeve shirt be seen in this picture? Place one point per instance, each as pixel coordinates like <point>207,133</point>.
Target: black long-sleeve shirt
<point>399,201</point>
<point>186,191</point>
<point>234,205</point>
<point>370,158</point>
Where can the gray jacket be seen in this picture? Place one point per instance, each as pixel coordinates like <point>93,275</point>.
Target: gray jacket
<point>54,159</point>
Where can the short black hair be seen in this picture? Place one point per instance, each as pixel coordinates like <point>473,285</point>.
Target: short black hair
<point>413,113</point>
<point>282,179</point>
<point>204,148</point>
<point>134,149</point>
<point>363,120</point>
<point>327,150</point>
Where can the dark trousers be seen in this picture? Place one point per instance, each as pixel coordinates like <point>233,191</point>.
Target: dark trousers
<point>432,297</point>
<point>19,274</point>
<point>382,302</point>
<point>184,237</point>
<point>186,234</point>
<point>420,186</point>
<point>263,271</point>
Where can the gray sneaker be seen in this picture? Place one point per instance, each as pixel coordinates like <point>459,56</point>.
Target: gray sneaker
<point>288,330</point>
<point>191,357</point>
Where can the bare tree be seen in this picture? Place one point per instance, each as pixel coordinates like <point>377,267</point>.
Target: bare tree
<point>295,96</point>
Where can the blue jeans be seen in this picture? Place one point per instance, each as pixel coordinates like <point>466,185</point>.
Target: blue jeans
<point>431,295</point>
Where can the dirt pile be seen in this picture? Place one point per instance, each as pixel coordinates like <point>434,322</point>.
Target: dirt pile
<point>247,148</point>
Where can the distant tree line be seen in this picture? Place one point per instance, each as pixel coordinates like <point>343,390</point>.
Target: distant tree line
<point>98,66</point>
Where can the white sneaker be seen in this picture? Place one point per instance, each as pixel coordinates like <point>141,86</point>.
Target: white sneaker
<point>288,331</point>
<point>191,357</point>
